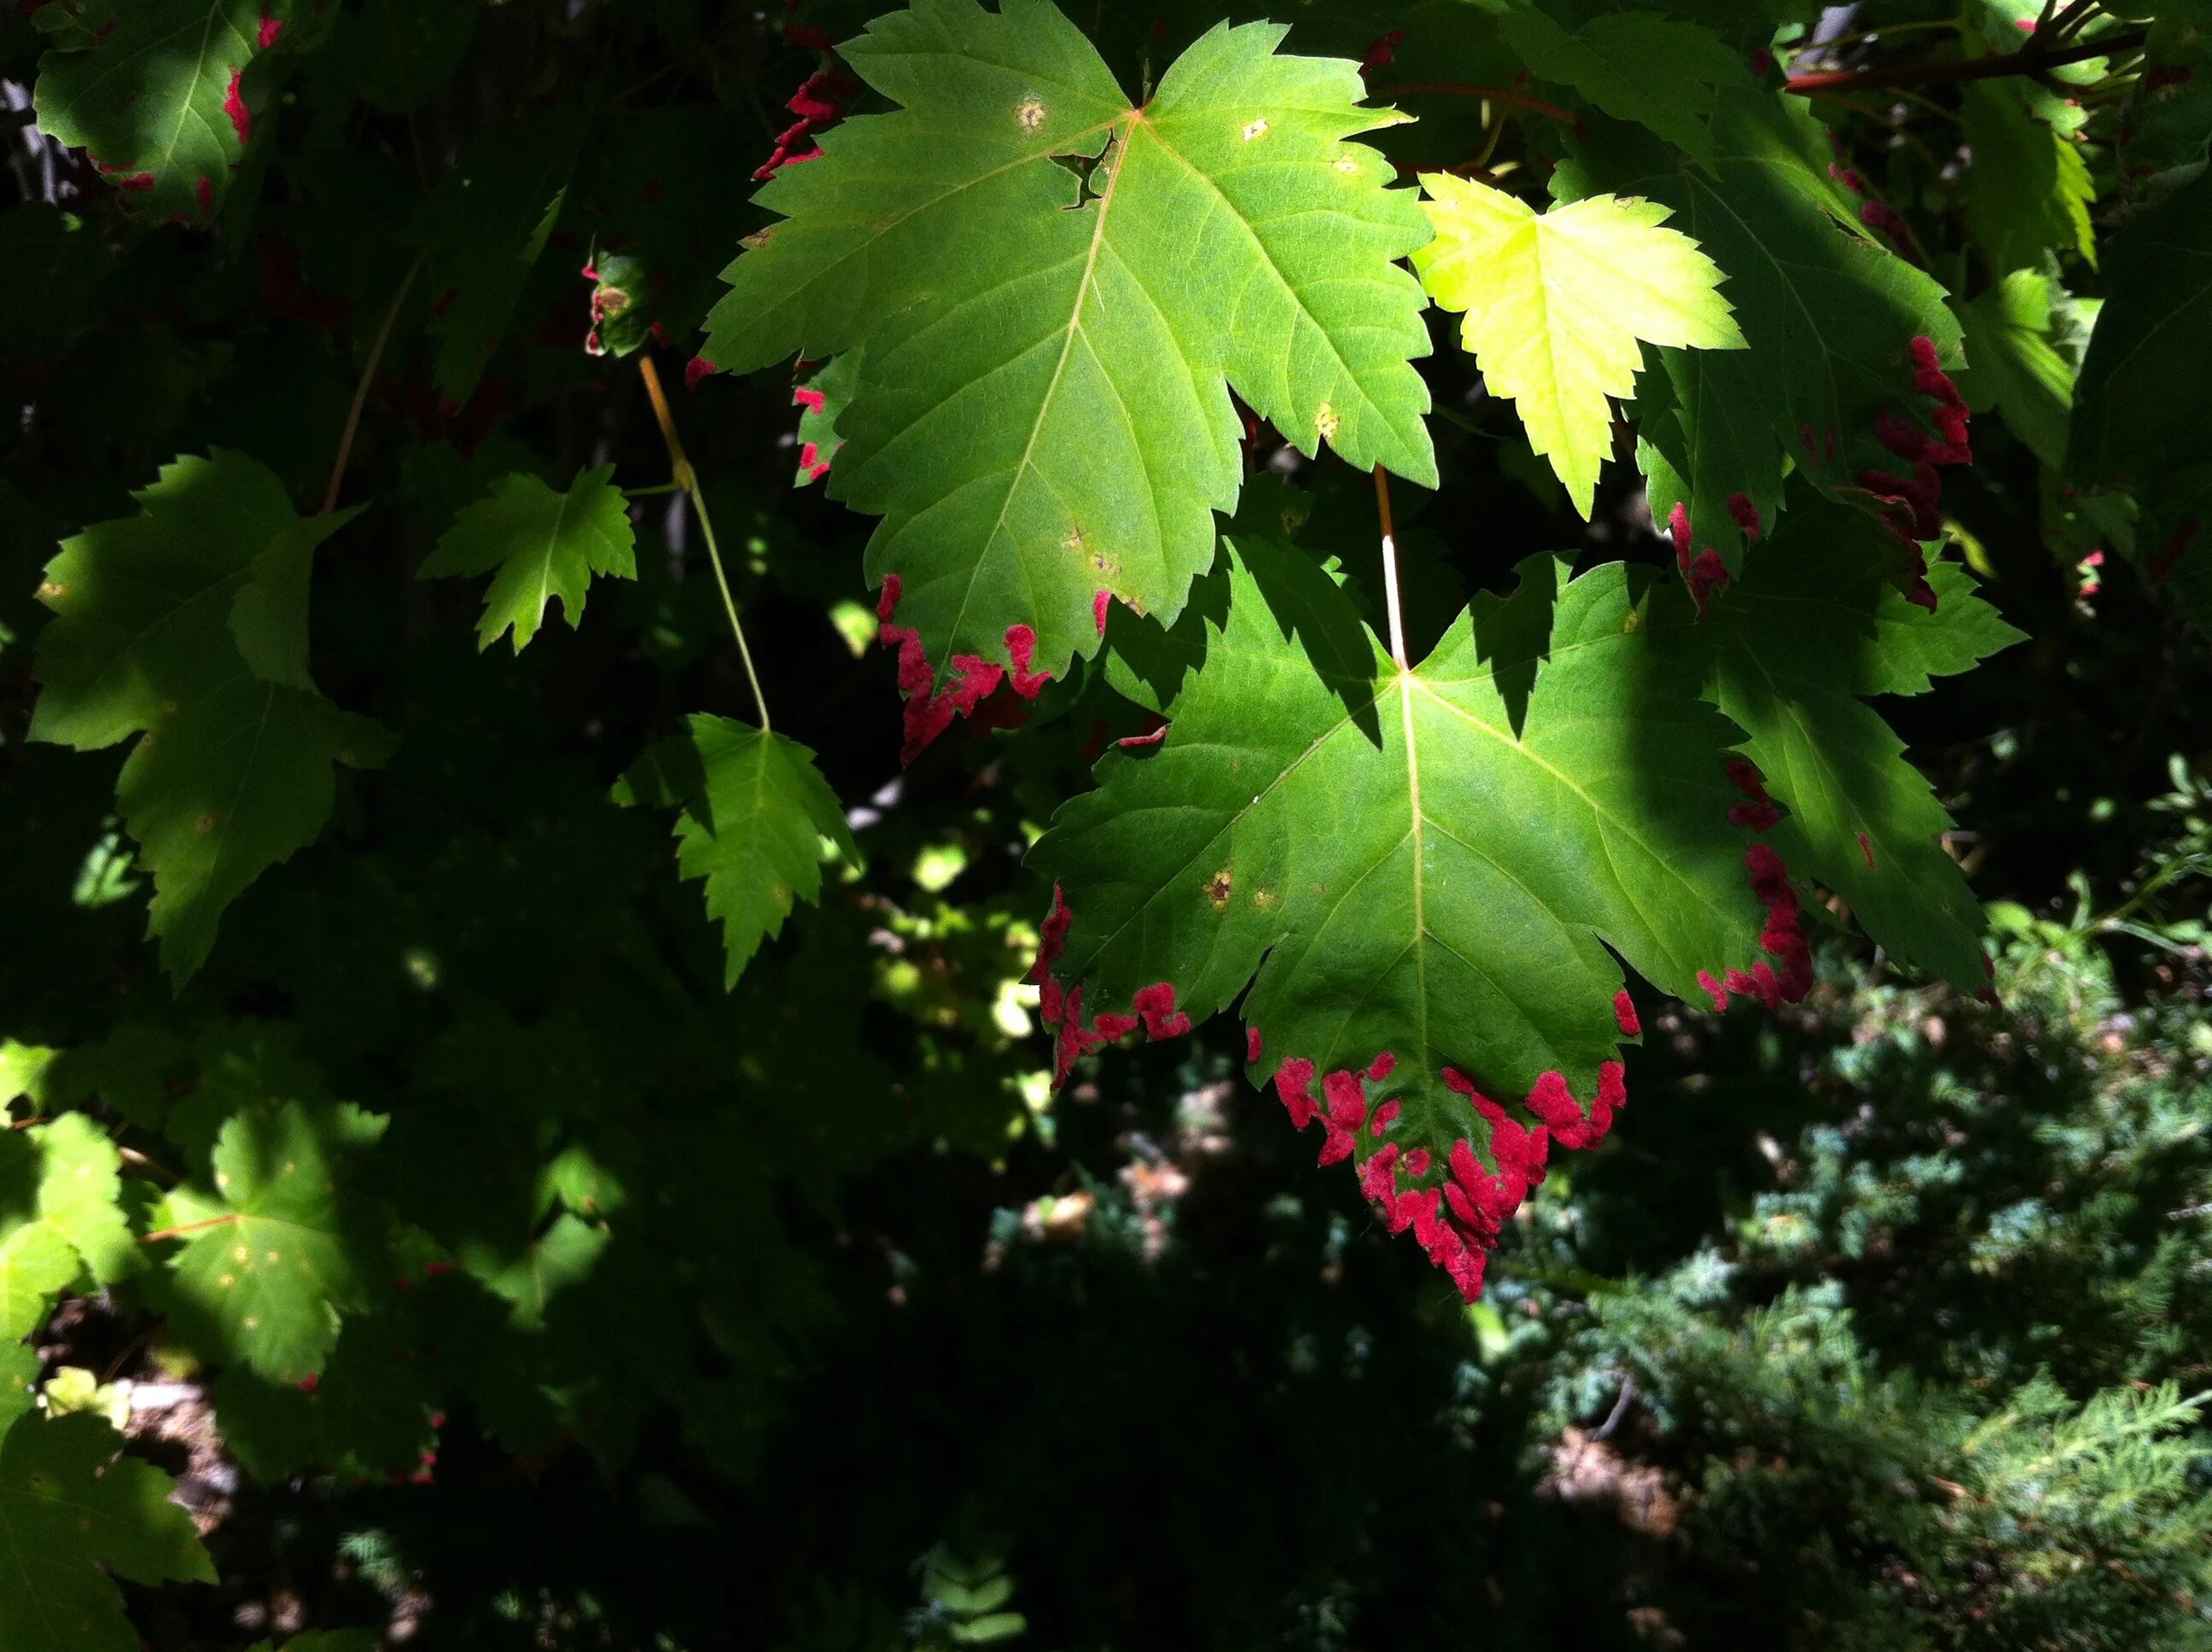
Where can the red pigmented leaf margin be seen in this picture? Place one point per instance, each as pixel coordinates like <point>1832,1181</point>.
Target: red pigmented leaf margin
<point>1457,1212</point>
<point>974,677</point>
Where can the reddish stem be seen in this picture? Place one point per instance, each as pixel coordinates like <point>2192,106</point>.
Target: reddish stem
<point>1948,70</point>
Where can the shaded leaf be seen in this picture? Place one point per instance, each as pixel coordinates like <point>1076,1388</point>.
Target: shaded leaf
<point>753,812</point>
<point>2141,420</point>
<point>1811,626</point>
<point>187,625</point>
<point>2029,188</point>
<point>1829,315</point>
<point>1636,66</point>
<point>2014,366</point>
<point>68,1506</point>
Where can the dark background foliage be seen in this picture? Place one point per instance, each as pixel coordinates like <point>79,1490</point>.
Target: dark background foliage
<point>845,1336</point>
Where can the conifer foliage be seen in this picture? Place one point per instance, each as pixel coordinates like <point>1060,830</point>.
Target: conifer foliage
<point>1191,380</point>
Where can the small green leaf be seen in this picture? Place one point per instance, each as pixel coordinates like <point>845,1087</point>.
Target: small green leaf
<point>73,1388</point>
<point>564,1253</point>
<point>546,546</point>
<point>264,1280</point>
<point>2012,366</point>
<point>754,810</point>
<point>1559,304</point>
<point>68,1506</point>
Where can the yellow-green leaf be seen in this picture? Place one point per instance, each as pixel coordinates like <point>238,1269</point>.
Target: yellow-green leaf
<point>1559,304</point>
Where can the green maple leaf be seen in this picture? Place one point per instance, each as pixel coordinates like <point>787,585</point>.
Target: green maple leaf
<point>2029,189</point>
<point>565,1254</point>
<point>367,1413</point>
<point>80,1186</point>
<point>1428,866</point>
<point>160,93</point>
<point>2142,420</point>
<point>1636,66</point>
<point>59,1217</point>
<point>68,1506</point>
<point>233,783</point>
<point>1811,626</point>
<point>35,1262</point>
<point>754,810</point>
<point>187,625</point>
<point>1044,413</point>
<point>263,1276</point>
<point>1559,304</point>
<point>1828,313</point>
<point>545,546</point>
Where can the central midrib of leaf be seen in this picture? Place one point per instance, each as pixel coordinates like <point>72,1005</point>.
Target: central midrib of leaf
<point>186,105</point>
<point>1115,154</point>
<point>545,557</point>
<point>1420,857</point>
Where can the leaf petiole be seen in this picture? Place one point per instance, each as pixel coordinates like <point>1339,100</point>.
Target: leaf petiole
<point>687,480</point>
<point>1390,570</point>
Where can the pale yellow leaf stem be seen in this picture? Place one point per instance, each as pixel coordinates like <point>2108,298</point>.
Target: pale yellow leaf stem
<point>688,480</point>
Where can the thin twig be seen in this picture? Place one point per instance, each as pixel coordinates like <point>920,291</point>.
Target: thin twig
<point>1390,571</point>
<point>1605,1430</point>
<point>2076,14</point>
<point>361,389</point>
<point>2029,60</point>
<point>688,480</point>
<point>1468,89</point>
